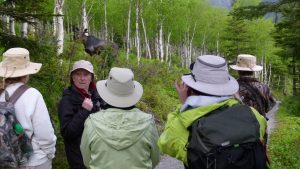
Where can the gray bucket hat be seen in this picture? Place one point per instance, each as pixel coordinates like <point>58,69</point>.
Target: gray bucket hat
<point>210,75</point>
<point>120,89</point>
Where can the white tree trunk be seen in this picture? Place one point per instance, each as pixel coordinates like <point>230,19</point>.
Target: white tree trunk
<point>12,22</point>
<point>24,28</point>
<point>157,46</point>
<point>60,26</point>
<point>168,46</point>
<point>146,39</point>
<point>128,31</point>
<point>191,47</point>
<point>203,46</point>
<point>161,47</point>
<point>84,17</point>
<point>105,21</point>
<point>55,20</point>
<point>5,20</point>
<point>137,32</point>
<point>12,26</point>
<point>270,75</point>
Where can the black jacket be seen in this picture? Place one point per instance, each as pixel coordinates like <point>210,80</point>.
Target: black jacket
<point>72,117</point>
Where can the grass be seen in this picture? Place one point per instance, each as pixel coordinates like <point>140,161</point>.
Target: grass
<point>284,148</point>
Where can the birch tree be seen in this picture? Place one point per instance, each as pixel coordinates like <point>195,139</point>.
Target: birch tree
<point>60,29</point>
<point>12,22</point>
<point>137,32</point>
<point>145,37</point>
<point>105,21</point>
<point>84,17</point>
<point>24,29</point>
<point>128,31</point>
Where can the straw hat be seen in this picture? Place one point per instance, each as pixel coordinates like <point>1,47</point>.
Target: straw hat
<point>83,64</point>
<point>120,89</point>
<point>16,63</point>
<point>210,75</point>
<point>246,62</point>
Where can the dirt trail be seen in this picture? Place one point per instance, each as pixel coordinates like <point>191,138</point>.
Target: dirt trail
<point>168,162</point>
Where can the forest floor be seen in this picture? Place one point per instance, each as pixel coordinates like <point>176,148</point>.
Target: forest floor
<point>168,162</point>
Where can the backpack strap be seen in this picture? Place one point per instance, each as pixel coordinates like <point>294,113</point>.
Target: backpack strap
<point>15,96</point>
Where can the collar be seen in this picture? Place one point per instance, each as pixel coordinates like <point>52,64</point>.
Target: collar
<point>199,101</point>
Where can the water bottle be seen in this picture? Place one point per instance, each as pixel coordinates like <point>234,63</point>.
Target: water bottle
<point>18,128</point>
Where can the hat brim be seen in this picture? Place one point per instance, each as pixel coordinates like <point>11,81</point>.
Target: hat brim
<point>119,100</point>
<point>32,68</point>
<point>253,69</point>
<point>227,89</point>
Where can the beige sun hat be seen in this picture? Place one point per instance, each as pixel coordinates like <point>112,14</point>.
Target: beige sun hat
<point>83,64</point>
<point>246,62</point>
<point>16,63</point>
<point>210,75</point>
<point>120,89</point>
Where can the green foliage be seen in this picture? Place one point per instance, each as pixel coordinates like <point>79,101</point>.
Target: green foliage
<point>284,148</point>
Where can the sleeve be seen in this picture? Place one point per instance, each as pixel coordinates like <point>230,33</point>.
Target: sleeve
<point>42,128</point>
<point>174,138</point>
<point>71,122</point>
<point>262,123</point>
<point>85,144</point>
<point>155,154</point>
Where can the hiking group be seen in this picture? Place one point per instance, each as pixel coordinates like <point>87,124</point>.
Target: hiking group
<point>219,124</point>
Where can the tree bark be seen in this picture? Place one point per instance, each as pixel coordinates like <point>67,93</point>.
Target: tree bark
<point>24,30</point>
<point>168,46</point>
<point>60,26</point>
<point>145,36</point>
<point>84,18</point>
<point>161,46</point>
<point>137,32</point>
<point>128,32</point>
<point>105,21</point>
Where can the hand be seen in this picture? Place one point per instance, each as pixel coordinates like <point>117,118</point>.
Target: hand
<point>182,90</point>
<point>87,104</point>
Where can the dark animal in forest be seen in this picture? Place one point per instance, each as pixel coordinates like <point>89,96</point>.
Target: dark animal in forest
<point>94,45</point>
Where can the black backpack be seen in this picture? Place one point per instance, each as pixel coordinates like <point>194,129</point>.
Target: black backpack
<point>226,138</point>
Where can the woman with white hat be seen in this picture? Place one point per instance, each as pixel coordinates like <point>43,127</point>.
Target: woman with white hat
<point>79,100</point>
<point>30,108</point>
<point>121,136</point>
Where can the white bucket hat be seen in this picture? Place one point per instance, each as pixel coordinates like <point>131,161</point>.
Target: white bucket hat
<point>210,75</point>
<point>83,64</point>
<point>120,89</point>
<point>246,62</point>
<point>16,63</point>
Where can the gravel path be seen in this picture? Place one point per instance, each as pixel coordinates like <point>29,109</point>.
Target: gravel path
<point>168,162</point>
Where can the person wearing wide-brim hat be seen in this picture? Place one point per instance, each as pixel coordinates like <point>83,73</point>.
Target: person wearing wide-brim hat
<point>252,92</point>
<point>78,101</point>
<point>121,136</point>
<point>30,108</point>
<point>208,87</point>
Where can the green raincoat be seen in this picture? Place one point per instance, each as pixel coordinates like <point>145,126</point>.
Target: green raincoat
<point>120,139</point>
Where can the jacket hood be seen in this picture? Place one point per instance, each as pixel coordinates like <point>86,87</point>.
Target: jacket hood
<point>120,128</point>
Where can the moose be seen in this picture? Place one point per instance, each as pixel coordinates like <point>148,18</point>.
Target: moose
<point>94,45</point>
